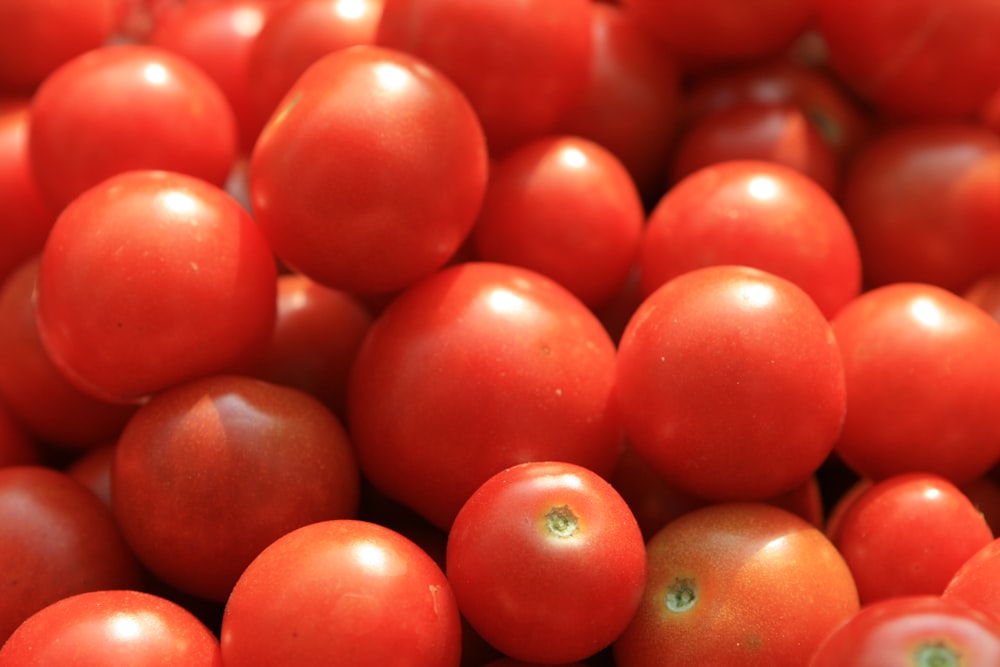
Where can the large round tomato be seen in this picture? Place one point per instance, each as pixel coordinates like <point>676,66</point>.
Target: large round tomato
<point>730,383</point>
<point>113,627</point>
<point>371,172</point>
<point>153,278</point>
<point>737,585</point>
<point>547,562</point>
<point>477,368</point>
<point>342,593</point>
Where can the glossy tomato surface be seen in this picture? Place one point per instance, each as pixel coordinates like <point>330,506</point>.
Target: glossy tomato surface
<point>547,562</point>
<point>730,383</point>
<point>977,581</point>
<point>150,279</point>
<point>477,368</point>
<point>342,593</point>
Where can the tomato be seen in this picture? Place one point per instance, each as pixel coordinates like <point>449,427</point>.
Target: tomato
<point>522,65</point>
<point>737,584</point>
<point>976,582</point>
<point>56,539</point>
<point>547,562</point>
<point>923,202</point>
<point>908,535</point>
<point>477,368</point>
<point>127,107</point>
<point>346,178</point>
<point>16,446</point>
<point>115,627</point>
<point>342,593</point>
<point>730,383</point>
<point>917,58</point>
<point>296,34</point>
<point>566,208</point>
<point>92,469</point>
<point>922,367</point>
<point>985,293</point>
<point>209,473</point>
<point>913,631</point>
<point>757,214</point>
<point>153,278</point>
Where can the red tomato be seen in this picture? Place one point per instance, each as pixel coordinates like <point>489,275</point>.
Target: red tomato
<point>923,201</point>
<point>207,474</point>
<point>566,208</point>
<point>92,469</point>
<point>342,593</point>
<point>477,368</point>
<point>521,64</point>
<point>115,627</point>
<point>730,383</point>
<point>547,562</point>
<point>127,107</point>
<point>737,584</point>
<point>757,214</point>
<point>16,445</point>
<point>908,535</point>
<point>923,383</point>
<point>977,581</point>
<point>985,293</point>
<point>915,57</point>
<point>56,539</point>
<point>150,279</point>
<point>346,179</point>
<point>913,631</point>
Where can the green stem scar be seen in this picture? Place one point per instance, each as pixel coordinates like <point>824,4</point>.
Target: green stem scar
<point>561,521</point>
<point>937,654</point>
<point>681,596</point>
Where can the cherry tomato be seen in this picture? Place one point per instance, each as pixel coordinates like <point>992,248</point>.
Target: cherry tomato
<point>92,469</point>
<point>757,214</point>
<point>522,64</point>
<point>153,278</point>
<point>547,562</point>
<point>922,367</point>
<point>976,583</point>
<point>342,593</point>
<point>127,107</point>
<point>730,383</point>
<point>114,627</point>
<point>207,474</point>
<point>737,584</point>
<point>912,631</point>
<point>566,208</point>
<point>477,368</point>
<point>346,179</point>
<point>908,535</point>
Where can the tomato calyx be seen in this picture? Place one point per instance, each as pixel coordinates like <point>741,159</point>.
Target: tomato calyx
<point>561,522</point>
<point>682,595</point>
<point>936,654</point>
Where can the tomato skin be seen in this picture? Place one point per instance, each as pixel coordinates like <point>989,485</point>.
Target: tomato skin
<point>481,366</point>
<point>127,107</point>
<point>976,583</point>
<point>16,445</point>
<point>912,631</point>
<point>715,566</point>
<point>346,178</point>
<point>208,473</point>
<point>113,627</point>
<point>342,593</point>
<point>753,351</point>
<point>150,279</point>
<point>908,411</point>
<point>546,562</point>
<point>56,539</point>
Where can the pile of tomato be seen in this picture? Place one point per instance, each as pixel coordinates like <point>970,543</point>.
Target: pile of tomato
<point>451,333</point>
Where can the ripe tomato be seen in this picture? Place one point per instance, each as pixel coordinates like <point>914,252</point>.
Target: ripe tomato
<point>730,383</point>
<point>153,278</point>
<point>210,472</point>
<point>346,178</point>
<point>908,535</point>
<point>113,627</point>
<point>16,446</point>
<point>737,584</point>
<point>342,593</point>
<point>127,107</point>
<point>477,368</point>
<point>547,562</point>
<point>758,214</point>
<point>977,581</point>
<point>922,367</point>
<point>912,631</point>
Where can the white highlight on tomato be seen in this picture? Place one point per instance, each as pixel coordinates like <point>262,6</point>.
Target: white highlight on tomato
<point>926,312</point>
<point>763,188</point>
<point>155,73</point>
